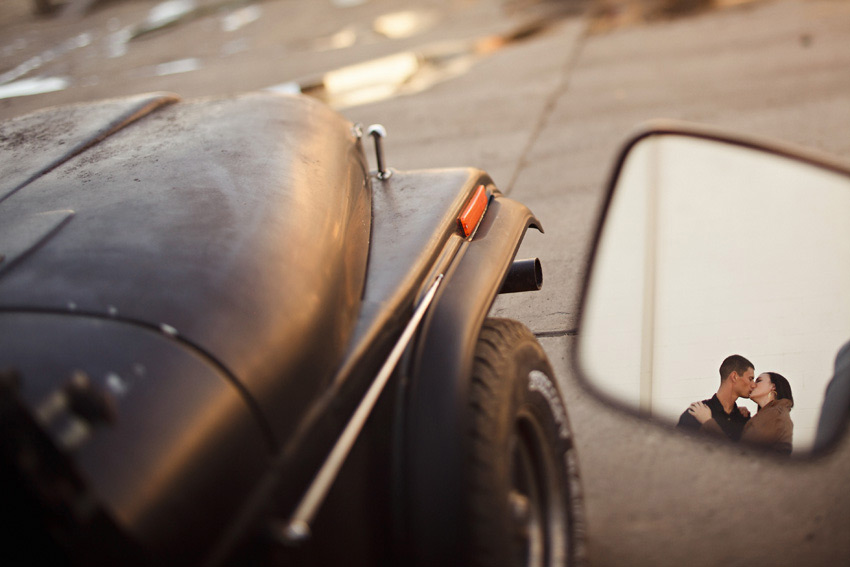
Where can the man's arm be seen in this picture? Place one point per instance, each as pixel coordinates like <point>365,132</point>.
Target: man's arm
<point>688,422</point>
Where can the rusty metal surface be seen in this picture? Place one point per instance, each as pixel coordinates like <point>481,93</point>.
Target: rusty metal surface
<point>239,225</point>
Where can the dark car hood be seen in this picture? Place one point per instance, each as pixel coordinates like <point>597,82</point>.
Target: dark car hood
<point>238,227</point>
<point>152,442</point>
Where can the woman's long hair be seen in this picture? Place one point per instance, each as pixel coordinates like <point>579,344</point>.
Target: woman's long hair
<point>783,388</point>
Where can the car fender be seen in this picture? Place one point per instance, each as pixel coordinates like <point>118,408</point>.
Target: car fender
<point>438,383</point>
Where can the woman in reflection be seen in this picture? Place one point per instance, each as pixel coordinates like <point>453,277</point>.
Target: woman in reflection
<point>772,425</point>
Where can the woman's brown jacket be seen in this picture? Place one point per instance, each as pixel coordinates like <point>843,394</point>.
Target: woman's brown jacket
<point>771,426</point>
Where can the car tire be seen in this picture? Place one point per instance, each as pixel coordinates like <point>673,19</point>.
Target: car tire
<point>522,479</point>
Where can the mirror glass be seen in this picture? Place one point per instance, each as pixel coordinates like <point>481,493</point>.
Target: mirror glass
<point>710,249</point>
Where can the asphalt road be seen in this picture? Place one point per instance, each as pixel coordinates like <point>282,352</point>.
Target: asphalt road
<point>541,95</point>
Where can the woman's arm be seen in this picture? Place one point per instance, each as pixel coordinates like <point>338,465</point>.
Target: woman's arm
<point>702,413</point>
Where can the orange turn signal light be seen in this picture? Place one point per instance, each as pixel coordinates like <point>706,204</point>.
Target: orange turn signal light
<point>472,213</point>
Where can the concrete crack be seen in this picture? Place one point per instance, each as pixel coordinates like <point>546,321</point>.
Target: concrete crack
<point>552,100</point>
<point>555,334</point>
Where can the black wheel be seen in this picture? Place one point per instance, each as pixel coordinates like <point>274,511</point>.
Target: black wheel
<point>524,501</point>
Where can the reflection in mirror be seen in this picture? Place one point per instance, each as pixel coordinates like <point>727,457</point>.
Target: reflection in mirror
<point>711,249</point>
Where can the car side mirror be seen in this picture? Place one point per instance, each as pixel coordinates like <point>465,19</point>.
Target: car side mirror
<point>711,246</point>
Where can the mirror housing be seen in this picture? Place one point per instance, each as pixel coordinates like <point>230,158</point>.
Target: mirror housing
<point>711,245</point>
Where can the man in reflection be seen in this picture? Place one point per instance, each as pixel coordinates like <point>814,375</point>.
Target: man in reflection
<point>736,381</point>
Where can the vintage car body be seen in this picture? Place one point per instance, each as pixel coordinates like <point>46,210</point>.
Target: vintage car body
<point>194,299</point>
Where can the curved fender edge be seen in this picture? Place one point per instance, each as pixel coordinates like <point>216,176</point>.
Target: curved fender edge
<point>438,386</point>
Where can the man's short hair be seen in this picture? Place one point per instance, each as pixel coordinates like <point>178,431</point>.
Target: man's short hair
<point>735,363</point>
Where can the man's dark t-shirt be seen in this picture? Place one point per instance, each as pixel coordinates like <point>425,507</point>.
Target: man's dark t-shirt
<point>732,423</point>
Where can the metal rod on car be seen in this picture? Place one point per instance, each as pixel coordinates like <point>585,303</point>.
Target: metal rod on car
<point>378,133</point>
<point>298,527</point>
